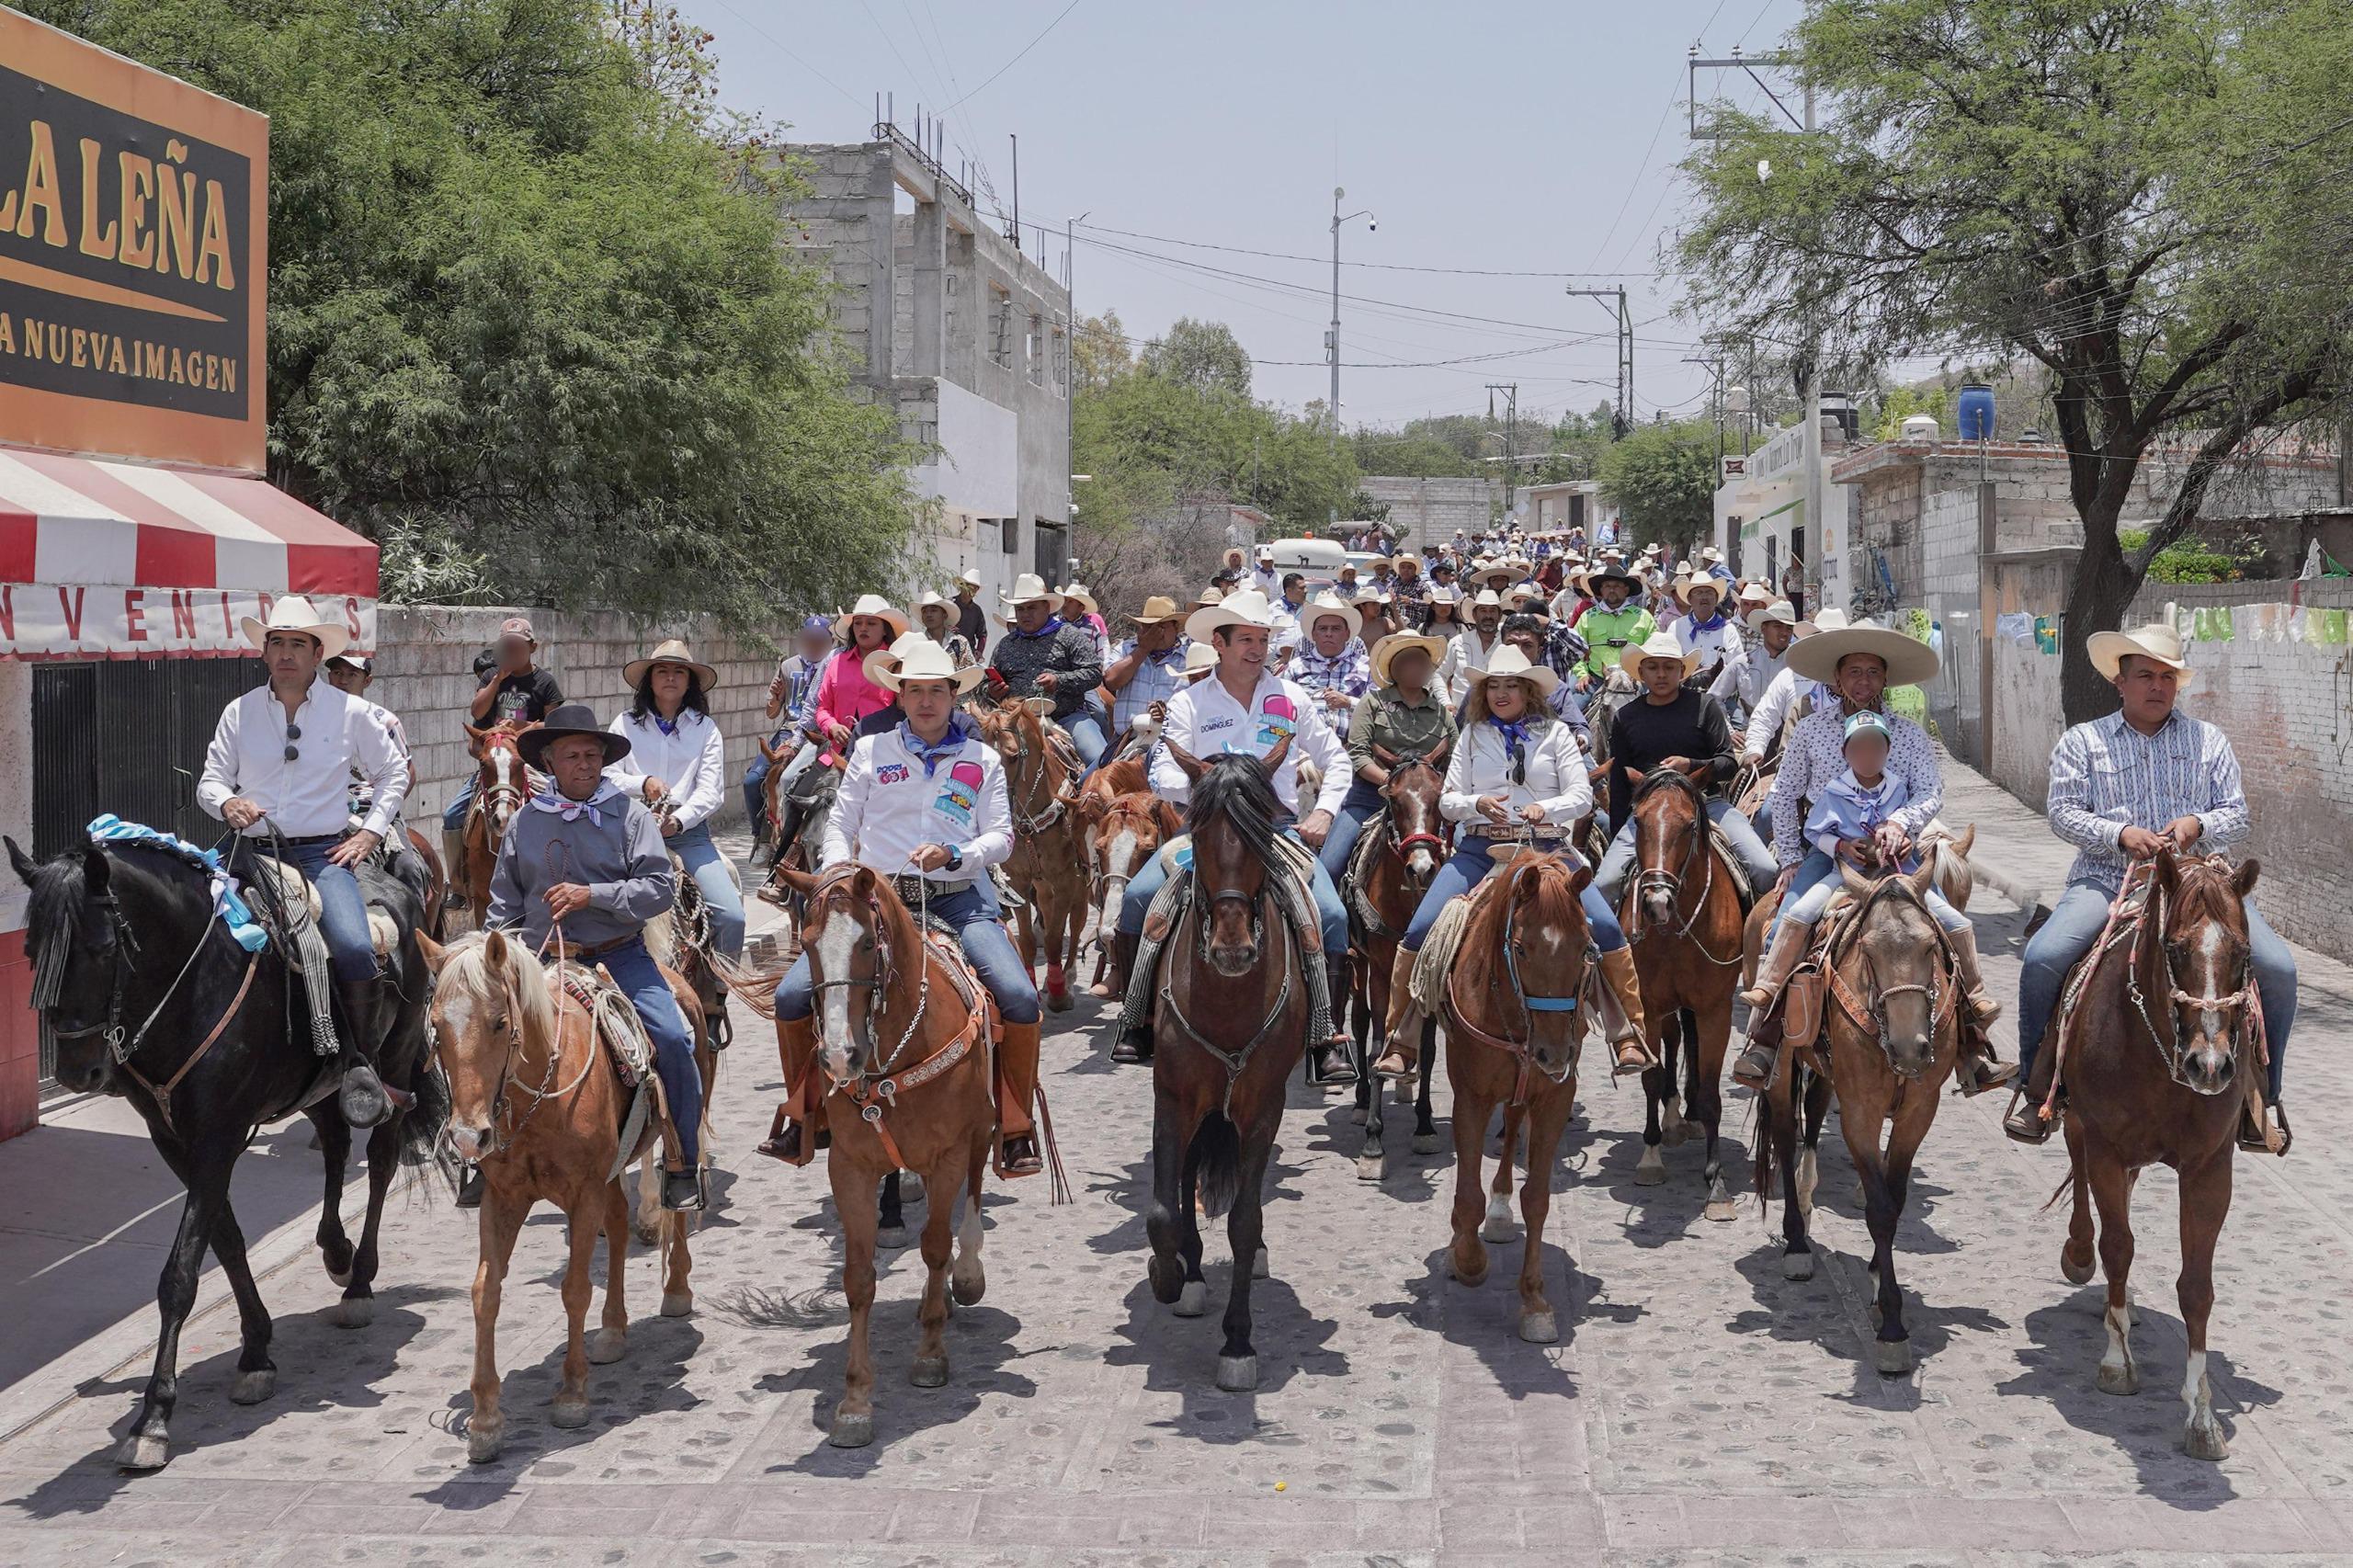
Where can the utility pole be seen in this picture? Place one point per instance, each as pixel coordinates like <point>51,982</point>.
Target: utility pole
<point>1332,337</point>
<point>1511,434</point>
<point>1070,353</point>
<point>1623,416</point>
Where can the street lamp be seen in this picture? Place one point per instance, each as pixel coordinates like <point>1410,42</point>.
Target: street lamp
<point>1332,338</point>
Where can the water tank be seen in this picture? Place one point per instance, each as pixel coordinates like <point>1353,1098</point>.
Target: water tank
<point>1920,427</point>
<point>1838,407</point>
<point>1976,411</point>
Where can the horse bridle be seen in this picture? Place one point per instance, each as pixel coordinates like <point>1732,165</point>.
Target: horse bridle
<point>868,1064</point>
<point>1025,821</point>
<point>1658,879</point>
<point>1236,1062</point>
<point>1875,1010</point>
<point>2239,1007</point>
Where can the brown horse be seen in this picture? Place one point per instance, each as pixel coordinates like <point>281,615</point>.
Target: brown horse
<point>903,1040</point>
<point>1048,867</point>
<point>1121,838</point>
<point>501,786</point>
<point>1230,1025</point>
<point>2150,1054</point>
<point>1683,919</point>
<point>1511,1045</point>
<point>1889,1036</point>
<point>1400,852</point>
<point>535,1101</point>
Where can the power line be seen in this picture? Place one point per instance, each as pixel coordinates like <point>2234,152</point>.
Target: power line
<point>1016,60</point>
<point>1635,183</point>
<point>787,51</point>
<point>1374,266</point>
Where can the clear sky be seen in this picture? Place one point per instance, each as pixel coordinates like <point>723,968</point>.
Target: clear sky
<point>1503,135</point>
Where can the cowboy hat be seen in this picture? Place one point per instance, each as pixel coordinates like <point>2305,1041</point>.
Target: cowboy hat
<point>1494,572</point>
<point>1398,563</point>
<point>1510,664</point>
<point>1909,661</point>
<point>1520,594</point>
<point>1662,646</point>
<point>1488,597</point>
<point>1612,569</point>
<point>1712,553</point>
<point>565,719</point>
<point>1199,660</point>
<point>671,650</point>
<point>1208,596</point>
<point>293,613</point>
<point>1157,609</point>
<point>1754,593</point>
<point>1824,621</point>
<point>1380,563</point>
<point>933,601</point>
<point>1247,607</point>
<point>1385,653</point>
<point>1328,603</point>
<point>2155,641</point>
<point>1026,587</point>
<point>1367,594</point>
<point>879,608</point>
<point>1779,609</point>
<point>1078,591</point>
<point>966,580</point>
<point>894,666</point>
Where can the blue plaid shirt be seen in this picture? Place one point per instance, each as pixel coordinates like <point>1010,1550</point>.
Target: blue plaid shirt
<point>1158,677</point>
<point>2106,777</point>
<point>1348,672</point>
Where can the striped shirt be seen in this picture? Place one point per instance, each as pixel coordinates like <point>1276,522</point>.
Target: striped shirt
<point>1816,759</point>
<point>2106,777</point>
<point>1348,672</point>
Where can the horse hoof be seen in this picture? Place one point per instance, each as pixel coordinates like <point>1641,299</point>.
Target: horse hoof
<point>1892,1356</point>
<point>1167,1277</point>
<point>910,1188</point>
<point>1371,1168</point>
<point>142,1452</point>
<point>1238,1374</point>
<point>1495,1230</point>
<point>353,1312</point>
<point>1651,1169</point>
<point>968,1289</point>
<point>2123,1379</point>
<point>1426,1144</point>
<point>482,1444</point>
<point>677,1303</point>
<point>569,1415</point>
<point>1359,1117</point>
<point>1719,1208</point>
<point>1059,1001</point>
<point>1540,1329</point>
<point>252,1388</point>
<point>1194,1300</point>
<point>608,1346</point>
<point>1797,1265</point>
<point>890,1238</point>
<point>1258,1264</point>
<point>851,1431</point>
<point>2074,1273</point>
<point>2203,1440</point>
<point>1472,1274</point>
<point>930,1372</point>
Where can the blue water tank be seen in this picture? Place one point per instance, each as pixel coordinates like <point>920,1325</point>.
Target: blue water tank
<point>1976,411</point>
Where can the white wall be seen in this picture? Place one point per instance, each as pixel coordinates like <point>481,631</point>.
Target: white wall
<point>976,476</point>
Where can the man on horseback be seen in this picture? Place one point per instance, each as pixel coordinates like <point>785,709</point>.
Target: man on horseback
<point>1706,629</point>
<point>512,690</point>
<point>2145,778</point>
<point>1744,679</point>
<point>925,804</point>
<point>1044,655</point>
<point>1616,622</point>
<point>1149,668</point>
<point>589,857</point>
<point>1401,718</point>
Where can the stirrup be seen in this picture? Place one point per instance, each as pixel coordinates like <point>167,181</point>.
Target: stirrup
<point>1976,1075</point>
<point>1324,1072</point>
<point>681,1191</point>
<point>1641,1062</point>
<point>2023,1121</point>
<point>1756,1064</point>
<point>1018,1155</point>
<point>1396,1066</point>
<point>2251,1136</point>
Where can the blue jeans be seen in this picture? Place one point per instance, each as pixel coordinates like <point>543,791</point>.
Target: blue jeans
<point>1806,908</point>
<point>1363,803</point>
<point>1086,731</point>
<point>634,971</point>
<point>1816,867</point>
<point>720,894</point>
<point>2075,925</point>
<point>1467,867</point>
<point>1330,913</point>
<point>343,909</point>
<point>1746,848</point>
<point>972,910</point>
<point>453,820</point>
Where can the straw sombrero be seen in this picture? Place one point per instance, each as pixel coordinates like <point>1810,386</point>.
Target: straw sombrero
<point>1249,607</point>
<point>1325,603</point>
<point>672,652</point>
<point>2155,640</point>
<point>1385,653</point>
<point>1909,661</point>
<point>876,606</point>
<point>1662,646</point>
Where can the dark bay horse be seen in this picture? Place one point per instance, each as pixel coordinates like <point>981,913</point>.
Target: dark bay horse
<point>2151,1058</point>
<point>1048,867</point>
<point>1401,851</point>
<point>215,1043</point>
<point>1229,1028</point>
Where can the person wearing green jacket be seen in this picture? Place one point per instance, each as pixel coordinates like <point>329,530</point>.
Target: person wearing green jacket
<point>1614,624</point>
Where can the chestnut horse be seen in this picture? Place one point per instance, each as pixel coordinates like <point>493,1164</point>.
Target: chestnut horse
<point>903,1040</point>
<point>1048,867</point>
<point>501,786</point>
<point>1390,875</point>
<point>1683,919</point>
<point>536,1102</point>
<point>1120,838</point>
<point>1230,1025</point>
<point>1511,1044</point>
<point>2156,1054</point>
<point>1889,1036</point>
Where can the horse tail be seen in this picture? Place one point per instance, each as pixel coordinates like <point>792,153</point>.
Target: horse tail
<point>422,1143</point>
<point>1763,1158</point>
<point>1216,1159</point>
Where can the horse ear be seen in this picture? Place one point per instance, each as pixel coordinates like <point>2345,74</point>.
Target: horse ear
<point>1193,767</point>
<point>1923,878</point>
<point>474,739</point>
<point>1581,876</point>
<point>2242,880</point>
<point>1274,759</point>
<point>2168,869</point>
<point>435,954</point>
<point>495,950</point>
<point>25,864</point>
<point>1966,842</point>
<point>1445,750</point>
<point>803,882</point>
<point>97,872</point>
<point>1856,883</point>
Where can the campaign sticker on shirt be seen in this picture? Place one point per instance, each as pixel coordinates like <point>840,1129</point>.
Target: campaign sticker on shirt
<point>960,794</point>
<point>892,773</point>
<point>1277,719</point>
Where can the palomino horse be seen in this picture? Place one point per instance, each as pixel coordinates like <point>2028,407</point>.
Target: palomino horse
<point>1683,919</point>
<point>2157,1051</point>
<point>1889,1036</point>
<point>903,1039</point>
<point>1509,1044</point>
<point>1048,867</point>
<point>1393,864</point>
<point>1121,838</point>
<point>150,999</point>
<point>1229,1025</point>
<point>1945,852</point>
<point>501,786</point>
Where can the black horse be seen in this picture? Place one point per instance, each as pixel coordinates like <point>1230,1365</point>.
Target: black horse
<point>215,1042</point>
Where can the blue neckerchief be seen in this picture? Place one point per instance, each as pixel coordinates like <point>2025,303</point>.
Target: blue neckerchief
<point>1053,623</point>
<point>668,726</point>
<point>1710,624</point>
<point>570,809</point>
<point>931,758</point>
<point>1515,735</point>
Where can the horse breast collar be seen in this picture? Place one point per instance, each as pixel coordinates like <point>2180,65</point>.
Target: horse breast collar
<point>2127,914</point>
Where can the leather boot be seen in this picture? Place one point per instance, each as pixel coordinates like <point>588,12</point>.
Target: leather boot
<point>1123,963</point>
<point>366,1100</point>
<point>2023,1122</point>
<point>789,1139</point>
<point>2251,1136</point>
<point>1790,938</point>
<point>1134,1045</point>
<point>1977,1071</point>
<point>1621,996</point>
<point>1402,1033</point>
<point>1982,1008</point>
<point>1017,1093</point>
<point>1327,1063</point>
<point>453,857</point>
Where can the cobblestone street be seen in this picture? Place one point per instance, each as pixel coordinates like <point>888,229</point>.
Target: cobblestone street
<point>1697,1410</point>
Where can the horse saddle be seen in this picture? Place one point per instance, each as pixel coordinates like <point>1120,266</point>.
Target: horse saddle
<point>1728,865</point>
<point>614,1020</point>
<point>1057,741</point>
<point>293,888</point>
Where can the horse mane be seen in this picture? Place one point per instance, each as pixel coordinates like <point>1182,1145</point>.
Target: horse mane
<point>60,898</point>
<point>2204,888</point>
<point>466,970</point>
<point>1658,779</point>
<point>1237,788</point>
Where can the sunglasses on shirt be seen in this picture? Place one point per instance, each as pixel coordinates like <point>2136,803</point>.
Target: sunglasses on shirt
<point>293,733</point>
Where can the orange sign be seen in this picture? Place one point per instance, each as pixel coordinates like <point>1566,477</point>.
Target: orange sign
<point>134,215</point>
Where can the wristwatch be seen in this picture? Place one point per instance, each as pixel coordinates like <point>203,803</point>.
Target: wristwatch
<point>955,858</point>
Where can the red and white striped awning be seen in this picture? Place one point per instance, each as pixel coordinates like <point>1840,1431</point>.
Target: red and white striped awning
<point>116,559</point>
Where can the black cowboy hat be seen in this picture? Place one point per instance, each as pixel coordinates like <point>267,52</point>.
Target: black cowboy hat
<point>571,719</point>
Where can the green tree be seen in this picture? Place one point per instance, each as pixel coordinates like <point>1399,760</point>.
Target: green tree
<point>1200,354</point>
<point>2148,200</point>
<point>1663,478</point>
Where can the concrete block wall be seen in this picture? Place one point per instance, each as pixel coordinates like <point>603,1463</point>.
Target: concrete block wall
<point>1427,511</point>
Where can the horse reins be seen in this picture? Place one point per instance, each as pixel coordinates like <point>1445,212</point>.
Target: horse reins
<point>1650,879</point>
<point>1521,1051</point>
<point>1234,1062</point>
<point>1872,1015</point>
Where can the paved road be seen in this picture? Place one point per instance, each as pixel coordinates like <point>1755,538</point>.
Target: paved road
<point>1698,1409</point>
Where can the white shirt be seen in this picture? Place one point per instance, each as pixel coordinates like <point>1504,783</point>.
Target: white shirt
<point>1747,676</point>
<point>1465,653</point>
<point>889,808</point>
<point>310,796</point>
<point>1718,642</point>
<point>1204,720</point>
<point>1482,765</point>
<point>691,763</point>
<point>1770,711</point>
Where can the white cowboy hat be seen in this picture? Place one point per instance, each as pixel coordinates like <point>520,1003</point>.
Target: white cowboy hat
<point>966,580</point>
<point>1078,591</point>
<point>1026,587</point>
<point>1487,596</point>
<point>911,659</point>
<point>1367,594</point>
<point>876,606</point>
<point>293,613</point>
<point>1384,653</point>
<point>933,601</point>
<point>1199,660</point>
<point>1712,553</point>
<point>1826,621</point>
<point>1662,646</point>
<point>2155,641</point>
<point>1909,661</point>
<point>1510,664</point>
<point>1779,609</point>
<point>672,650</point>
<point>1247,607</point>
<point>1326,604</point>
<point>1494,570</point>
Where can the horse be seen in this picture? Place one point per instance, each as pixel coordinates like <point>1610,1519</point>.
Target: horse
<point>2150,1054</point>
<point>1229,1025</point>
<point>536,1102</point>
<point>903,1038</point>
<point>1942,849</point>
<point>1890,1034</point>
<point>1683,919</point>
<point>1122,838</point>
<point>1392,864</point>
<point>812,797</point>
<point>1048,867</point>
<point>210,1042</point>
<point>501,786</point>
<point>1510,1045</point>
<point>679,939</point>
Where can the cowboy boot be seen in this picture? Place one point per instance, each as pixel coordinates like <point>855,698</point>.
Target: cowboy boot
<point>2023,1121</point>
<point>453,856</point>
<point>1402,1035</point>
<point>1983,1009</point>
<point>1328,1062</point>
<point>1760,1053</point>
<point>2251,1132</point>
<point>1976,1070</point>
<point>1016,1092</point>
<point>366,1100</point>
<point>1622,1011</point>
<point>1134,1045</point>
<point>789,1140</point>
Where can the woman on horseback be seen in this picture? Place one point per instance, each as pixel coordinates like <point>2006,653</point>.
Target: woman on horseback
<point>843,697</point>
<point>677,763</point>
<point>1517,775</point>
<point>1401,718</point>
